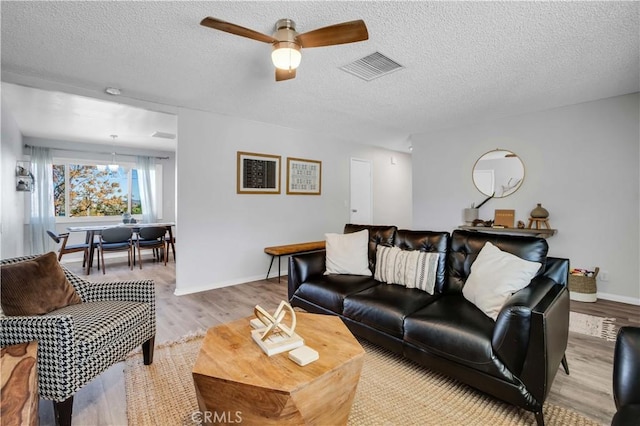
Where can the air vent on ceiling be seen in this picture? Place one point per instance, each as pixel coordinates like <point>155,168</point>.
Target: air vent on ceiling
<point>372,66</point>
<point>163,135</point>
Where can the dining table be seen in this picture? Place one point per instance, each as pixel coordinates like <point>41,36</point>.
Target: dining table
<point>92,230</point>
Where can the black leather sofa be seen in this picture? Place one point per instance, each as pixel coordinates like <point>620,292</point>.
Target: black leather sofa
<point>514,359</point>
<point>626,377</point>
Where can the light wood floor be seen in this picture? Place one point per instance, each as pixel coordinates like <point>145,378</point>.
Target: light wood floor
<point>103,402</point>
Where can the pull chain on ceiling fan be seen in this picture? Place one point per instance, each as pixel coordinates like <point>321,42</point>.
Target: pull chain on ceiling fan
<point>287,43</point>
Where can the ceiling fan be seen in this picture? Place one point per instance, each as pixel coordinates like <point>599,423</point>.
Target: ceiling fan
<point>287,42</point>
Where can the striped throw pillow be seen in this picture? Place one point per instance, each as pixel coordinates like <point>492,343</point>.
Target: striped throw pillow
<point>410,268</point>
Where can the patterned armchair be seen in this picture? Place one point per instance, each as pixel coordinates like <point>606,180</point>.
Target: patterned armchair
<point>78,342</point>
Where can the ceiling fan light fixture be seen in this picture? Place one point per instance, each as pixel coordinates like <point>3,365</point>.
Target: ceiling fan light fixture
<point>286,55</point>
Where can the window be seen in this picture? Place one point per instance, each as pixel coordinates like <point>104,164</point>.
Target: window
<point>87,190</point>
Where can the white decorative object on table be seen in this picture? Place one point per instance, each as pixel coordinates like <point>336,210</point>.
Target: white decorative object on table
<point>303,355</point>
<point>274,336</point>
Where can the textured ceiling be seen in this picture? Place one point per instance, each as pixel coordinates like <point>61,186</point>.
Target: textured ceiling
<point>464,62</point>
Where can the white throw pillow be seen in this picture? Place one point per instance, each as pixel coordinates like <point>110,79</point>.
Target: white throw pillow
<point>348,253</point>
<point>410,268</point>
<point>495,276</point>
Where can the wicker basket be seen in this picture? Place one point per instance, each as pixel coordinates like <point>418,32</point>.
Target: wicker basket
<point>582,288</point>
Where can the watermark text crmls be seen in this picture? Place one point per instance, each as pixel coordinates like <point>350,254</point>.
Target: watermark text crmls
<point>216,417</point>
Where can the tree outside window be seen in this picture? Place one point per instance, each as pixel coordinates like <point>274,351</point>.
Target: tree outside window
<point>86,190</point>
<point>59,187</point>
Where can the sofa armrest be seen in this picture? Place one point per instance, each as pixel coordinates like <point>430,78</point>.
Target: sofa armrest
<point>142,291</point>
<point>557,269</point>
<point>511,335</point>
<point>56,342</point>
<point>303,266</point>
<point>547,342</point>
<point>626,367</point>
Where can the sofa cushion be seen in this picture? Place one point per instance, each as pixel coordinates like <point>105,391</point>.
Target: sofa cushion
<point>378,234</point>
<point>496,275</point>
<point>94,331</point>
<point>453,328</point>
<point>385,306</point>
<point>428,242</point>
<point>347,253</point>
<point>410,268</point>
<point>35,287</point>
<point>329,291</point>
<point>466,245</point>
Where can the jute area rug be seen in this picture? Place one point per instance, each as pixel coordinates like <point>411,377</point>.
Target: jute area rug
<point>391,391</point>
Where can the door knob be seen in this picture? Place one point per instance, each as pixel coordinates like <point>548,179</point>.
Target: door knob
<point>354,211</point>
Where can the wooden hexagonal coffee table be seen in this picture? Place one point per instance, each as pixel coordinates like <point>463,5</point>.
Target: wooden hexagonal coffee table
<point>236,381</point>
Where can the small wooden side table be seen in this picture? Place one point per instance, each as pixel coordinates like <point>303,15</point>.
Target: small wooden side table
<point>19,395</point>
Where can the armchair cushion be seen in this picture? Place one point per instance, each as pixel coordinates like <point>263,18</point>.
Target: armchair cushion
<point>93,330</point>
<point>35,287</point>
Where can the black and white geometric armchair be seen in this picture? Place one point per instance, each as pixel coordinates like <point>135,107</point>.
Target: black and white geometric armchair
<point>78,342</point>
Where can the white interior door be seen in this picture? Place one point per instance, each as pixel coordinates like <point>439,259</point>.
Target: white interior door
<point>361,192</point>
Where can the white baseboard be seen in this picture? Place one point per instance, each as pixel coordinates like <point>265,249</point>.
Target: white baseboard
<point>617,298</point>
<point>213,286</point>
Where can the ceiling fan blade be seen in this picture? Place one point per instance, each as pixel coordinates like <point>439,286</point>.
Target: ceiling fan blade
<point>346,32</point>
<point>228,27</point>
<point>282,75</point>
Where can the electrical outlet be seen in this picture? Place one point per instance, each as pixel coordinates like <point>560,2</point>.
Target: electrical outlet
<point>604,275</point>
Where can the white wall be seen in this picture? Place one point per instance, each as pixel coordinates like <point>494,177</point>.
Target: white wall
<point>392,189</point>
<point>582,162</point>
<point>223,234</point>
<point>11,201</point>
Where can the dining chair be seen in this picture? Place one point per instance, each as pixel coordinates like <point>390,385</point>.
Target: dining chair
<point>152,237</point>
<point>70,248</point>
<point>116,239</point>
<point>171,244</point>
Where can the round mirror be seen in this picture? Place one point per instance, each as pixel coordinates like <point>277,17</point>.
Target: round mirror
<point>498,173</point>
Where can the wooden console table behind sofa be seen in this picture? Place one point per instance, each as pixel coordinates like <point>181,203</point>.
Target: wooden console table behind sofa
<point>290,249</point>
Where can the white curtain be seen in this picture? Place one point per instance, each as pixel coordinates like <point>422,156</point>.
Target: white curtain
<point>146,167</point>
<point>42,210</point>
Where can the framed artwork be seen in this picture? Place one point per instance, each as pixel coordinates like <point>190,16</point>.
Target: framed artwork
<point>504,218</point>
<point>304,177</point>
<point>258,173</point>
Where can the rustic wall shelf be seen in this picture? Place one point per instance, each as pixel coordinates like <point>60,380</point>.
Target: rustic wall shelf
<point>543,233</point>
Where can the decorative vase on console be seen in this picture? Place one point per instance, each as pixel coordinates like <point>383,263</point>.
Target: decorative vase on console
<point>470,215</point>
<point>539,212</point>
